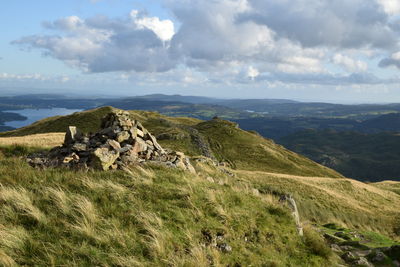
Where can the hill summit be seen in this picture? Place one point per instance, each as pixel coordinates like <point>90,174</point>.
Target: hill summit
<point>120,141</point>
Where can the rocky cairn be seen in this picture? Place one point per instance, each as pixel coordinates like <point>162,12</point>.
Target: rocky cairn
<point>120,143</point>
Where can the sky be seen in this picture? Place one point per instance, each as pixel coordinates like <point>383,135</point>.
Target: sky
<point>345,51</point>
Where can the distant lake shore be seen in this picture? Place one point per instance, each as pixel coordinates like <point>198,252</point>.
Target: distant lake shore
<point>34,115</point>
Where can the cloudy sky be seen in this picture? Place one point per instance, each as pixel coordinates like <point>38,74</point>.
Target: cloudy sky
<point>318,50</point>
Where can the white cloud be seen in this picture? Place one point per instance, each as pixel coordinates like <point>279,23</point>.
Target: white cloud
<point>313,23</point>
<point>230,41</point>
<point>391,7</point>
<point>350,64</point>
<point>252,73</point>
<point>100,44</point>
<point>164,29</point>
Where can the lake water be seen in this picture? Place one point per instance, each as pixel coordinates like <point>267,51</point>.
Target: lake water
<point>37,114</point>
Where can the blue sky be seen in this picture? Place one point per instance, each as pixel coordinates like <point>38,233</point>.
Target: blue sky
<point>335,51</point>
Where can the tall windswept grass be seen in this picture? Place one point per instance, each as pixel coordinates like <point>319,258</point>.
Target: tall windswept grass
<point>85,217</point>
<point>152,226</point>
<point>6,260</point>
<point>12,237</point>
<point>12,241</point>
<point>20,199</point>
<point>60,199</point>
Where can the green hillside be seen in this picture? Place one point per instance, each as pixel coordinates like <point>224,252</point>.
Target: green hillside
<point>149,215</point>
<point>215,138</point>
<point>145,217</point>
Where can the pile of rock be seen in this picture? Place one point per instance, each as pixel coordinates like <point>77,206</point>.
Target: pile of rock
<point>120,142</point>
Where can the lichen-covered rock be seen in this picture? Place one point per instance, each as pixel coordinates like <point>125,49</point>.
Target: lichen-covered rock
<point>104,158</point>
<point>121,141</point>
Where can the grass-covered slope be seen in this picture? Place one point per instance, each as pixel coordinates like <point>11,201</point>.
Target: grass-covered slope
<point>389,185</point>
<point>346,202</point>
<point>149,216</point>
<point>250,151</point>
<point>218,138</point>
<point>154,216</point>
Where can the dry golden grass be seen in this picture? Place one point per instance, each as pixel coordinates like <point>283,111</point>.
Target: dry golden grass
<point>20,201</point>
<point>47,140</point>
<point>345,201</point>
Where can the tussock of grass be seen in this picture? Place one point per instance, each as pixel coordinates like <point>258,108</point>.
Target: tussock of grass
<point>316,243</point>
<point>6,260</point>
<point>20,200</point>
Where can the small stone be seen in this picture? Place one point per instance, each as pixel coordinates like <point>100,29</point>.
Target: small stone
<point>172,158</point>
<point>133,132</point>
<point>362,262</point>
<point>114,166</point>
<point>154,141</point>
<point>123,136</point>
<point>349,257</point>
<point>125,148</point>
<point>210,179</point>
<point>255,192</point>
<point>108,132</point>
<point>67,160</point>
<point>79,147</point>
<point>189,166</point>
<point>128,159</point>
<point>139,146</point>
<point>148,142</point>
<point>179,163</point>
<point>72,135</point>
<point>224,247</point>
<point>114,144</point>
<point>139,132</point>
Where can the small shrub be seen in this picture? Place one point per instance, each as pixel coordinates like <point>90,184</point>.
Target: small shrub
<point>316,243</point>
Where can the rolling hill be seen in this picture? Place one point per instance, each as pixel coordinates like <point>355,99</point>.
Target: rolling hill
<point>228,214</point>
<point>216,138</point>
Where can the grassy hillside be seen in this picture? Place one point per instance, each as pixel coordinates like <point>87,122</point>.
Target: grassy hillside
<point>389,185</point>
<point>347,202</point>
<point>149,216</point>
<point>217,138</point>
<point>87,121</point>
<point>153,216</point>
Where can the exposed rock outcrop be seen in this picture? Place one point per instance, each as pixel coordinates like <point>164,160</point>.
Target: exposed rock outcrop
<point>120,142</point>
<point>295,212</point>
